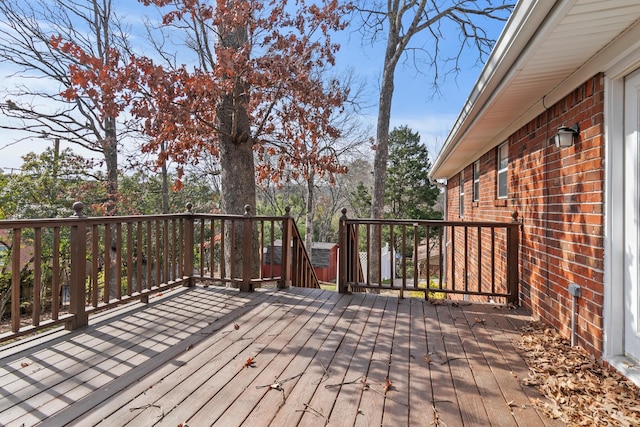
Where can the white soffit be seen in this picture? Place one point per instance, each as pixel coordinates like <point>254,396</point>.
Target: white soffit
<point>545,51</point>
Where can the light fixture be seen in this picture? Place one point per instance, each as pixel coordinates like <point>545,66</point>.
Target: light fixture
<point>564,137</point>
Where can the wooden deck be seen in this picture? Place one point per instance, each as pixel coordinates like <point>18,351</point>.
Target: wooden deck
<point>211,356</point>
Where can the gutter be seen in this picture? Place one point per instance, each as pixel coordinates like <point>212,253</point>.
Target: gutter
<point>522,32</point>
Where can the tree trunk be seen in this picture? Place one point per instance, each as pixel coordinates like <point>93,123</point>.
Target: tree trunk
<point>381,156</point>
<point>309,225</point>
<point>237,166</point>
<point>110,144</point>
<point>237,176</point>
<point>110,150</point>
<point>165,183</point>
<point>238,190</point>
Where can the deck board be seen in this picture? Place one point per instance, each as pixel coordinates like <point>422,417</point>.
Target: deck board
<point>346,333</point>
<point>444,408</point>
<point>347,405</point>
<point>180,359</point>
<point>147,378</point>
<point>508,324</point>
<point>466,389</point>
<point>264,350</point>
<point>420,391</point>
<point>218,360</point>
<point>372,403</point>
<point>396,403</point>
<point>498,412</point>
<point>489,339</point>
<point>282,369</point>
<point>320,351</point>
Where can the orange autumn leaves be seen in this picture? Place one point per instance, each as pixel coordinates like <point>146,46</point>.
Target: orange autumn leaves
<point>249,363</point>
<point>98,78</point>
<point>273,78</point>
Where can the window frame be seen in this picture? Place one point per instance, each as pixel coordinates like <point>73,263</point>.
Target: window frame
<point>476,180</point>
<point>502,172</point>
<point>461,195</point>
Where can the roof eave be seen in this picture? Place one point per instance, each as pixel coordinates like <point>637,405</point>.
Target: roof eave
<point>514,43</point>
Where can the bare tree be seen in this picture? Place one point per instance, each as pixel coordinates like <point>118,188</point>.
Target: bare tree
<point>353,136</point>
<point>35,105</point>
<point>356,187</point>
<point>313,181</point>
<point>404,19</point>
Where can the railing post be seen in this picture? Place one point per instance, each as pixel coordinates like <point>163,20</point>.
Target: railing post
<point>16,286</point>
<point>513,250</point>
<point>247,250</point>
<point>78,270</point>
<point>285,258</point>
<point>344,253</point>
<point>188,247</point>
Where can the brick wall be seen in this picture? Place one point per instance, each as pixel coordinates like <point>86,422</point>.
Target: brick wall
<point>559,196</point>
<point>476,263</point>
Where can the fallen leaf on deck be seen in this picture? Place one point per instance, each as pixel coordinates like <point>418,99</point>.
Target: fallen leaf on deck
<point>427,359</point>
<point>580,390</point>
<point>460,304</point>
<point>159,294</point>
<point>249,363</point>
<point>24,364</point>
<point>236,326</point>
<point>387,384</point>
<point>365,384</point>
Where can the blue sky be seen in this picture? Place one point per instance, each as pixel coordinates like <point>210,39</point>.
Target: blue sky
<point>414,102</point>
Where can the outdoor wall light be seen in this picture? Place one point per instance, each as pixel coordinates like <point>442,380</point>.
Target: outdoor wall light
<point>564,137</point>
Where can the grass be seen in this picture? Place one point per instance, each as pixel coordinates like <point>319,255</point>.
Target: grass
<point>431,295</point>
<point>328,286</point>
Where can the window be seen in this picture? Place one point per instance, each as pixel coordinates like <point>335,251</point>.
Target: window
<point>476,180</point>
<point>461,214</point>
<point>503,167</point>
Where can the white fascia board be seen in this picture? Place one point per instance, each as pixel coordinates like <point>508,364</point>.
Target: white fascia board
<point>524,31</point>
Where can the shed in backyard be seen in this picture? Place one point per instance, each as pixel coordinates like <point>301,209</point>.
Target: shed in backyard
<point>324,257</point>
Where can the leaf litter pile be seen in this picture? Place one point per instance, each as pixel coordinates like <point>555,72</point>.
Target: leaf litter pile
<point>581,391</point>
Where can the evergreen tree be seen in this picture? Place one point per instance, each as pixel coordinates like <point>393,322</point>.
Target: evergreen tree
<point>409,192</point>
<point>48,184</point>
<point>360,200</point>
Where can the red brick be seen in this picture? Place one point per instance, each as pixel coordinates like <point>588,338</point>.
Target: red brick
<point>559,195</point>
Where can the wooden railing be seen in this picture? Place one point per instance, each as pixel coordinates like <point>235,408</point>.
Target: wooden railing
<point>301,269</point>
<point>477,259</point>
<point>58,271</point>
<point>214,235</point>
